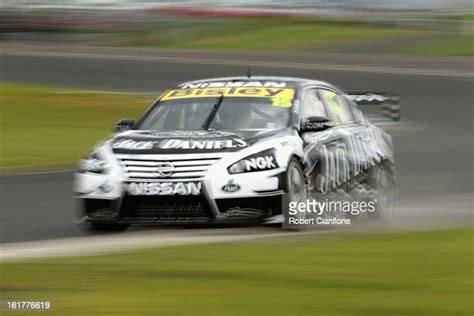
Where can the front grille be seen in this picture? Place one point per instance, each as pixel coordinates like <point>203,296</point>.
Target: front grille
<point>177,168</point>
<point>165,209</point>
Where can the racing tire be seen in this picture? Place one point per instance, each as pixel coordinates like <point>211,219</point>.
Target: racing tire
<point>294,184</point>
<point>382,181</point>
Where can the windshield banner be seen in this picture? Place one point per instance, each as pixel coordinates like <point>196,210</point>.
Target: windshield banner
<point>279,96</point>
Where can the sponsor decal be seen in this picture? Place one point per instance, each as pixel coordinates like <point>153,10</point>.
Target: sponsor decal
<point>264,160</point>
<point>346,159</point>
<point>370,97</point>
<point>133,144</point>
<point>234,84</point>
<point>231,186</point>
<point>280,96</point>
<point>180,144</point>
<point>188,134</point>
<point>260,163</point>
<point>313,125</point>
<point>164,188</point>
<point>203,144</point>
<point>164,169</point>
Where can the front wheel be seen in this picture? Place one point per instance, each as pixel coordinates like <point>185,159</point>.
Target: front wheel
<point>294,184</point>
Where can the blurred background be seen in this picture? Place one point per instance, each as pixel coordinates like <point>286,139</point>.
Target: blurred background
<point>435,27</point>
<point>70,69</point>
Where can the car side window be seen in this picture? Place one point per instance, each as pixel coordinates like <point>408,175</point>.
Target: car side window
<point>312,105</point>
<point>337,106</point>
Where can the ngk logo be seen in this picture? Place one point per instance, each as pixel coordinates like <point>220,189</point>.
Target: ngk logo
<point>260,163</point>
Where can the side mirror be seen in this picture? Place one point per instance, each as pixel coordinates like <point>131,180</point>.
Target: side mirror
<point>124,125</point>
<point>316,124</point>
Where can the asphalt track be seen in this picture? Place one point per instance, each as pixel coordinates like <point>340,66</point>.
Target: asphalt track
<point>434,155</point>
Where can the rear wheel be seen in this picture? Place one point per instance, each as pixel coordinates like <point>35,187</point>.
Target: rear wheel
<point>382,183</point>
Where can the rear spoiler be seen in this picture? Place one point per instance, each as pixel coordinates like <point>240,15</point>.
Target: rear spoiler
<point>388,105</point>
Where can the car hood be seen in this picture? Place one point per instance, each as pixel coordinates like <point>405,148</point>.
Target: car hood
<point>178,142</point>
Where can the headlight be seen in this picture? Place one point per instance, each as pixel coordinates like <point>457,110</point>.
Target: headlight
<point>264,160</point>
<point>93,164</point>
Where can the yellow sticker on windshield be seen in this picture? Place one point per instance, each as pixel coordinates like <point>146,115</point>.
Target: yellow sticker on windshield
<point>281,102</point>
<point>284,94</point>
<point>333,101</point>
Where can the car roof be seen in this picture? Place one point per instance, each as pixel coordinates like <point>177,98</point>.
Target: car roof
<point>290,81</point>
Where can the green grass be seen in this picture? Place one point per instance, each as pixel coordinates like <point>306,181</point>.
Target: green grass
<point>450,45</point>
<point>409,273</point>
<point>290,38</point>
<point>292,34</point>
<point>43,127</point>
<point>455,17</point>
<point>258,34</point>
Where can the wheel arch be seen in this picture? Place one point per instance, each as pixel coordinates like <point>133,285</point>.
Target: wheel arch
<point>299,157</point>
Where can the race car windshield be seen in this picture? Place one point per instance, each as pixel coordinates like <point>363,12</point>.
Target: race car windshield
<point>233,114</point>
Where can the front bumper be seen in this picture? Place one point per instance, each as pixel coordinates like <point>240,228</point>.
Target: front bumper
<point>180,210</point>
<point>106,199</point>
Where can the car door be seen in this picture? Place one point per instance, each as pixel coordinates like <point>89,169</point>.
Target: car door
<point>322,147</point>
<point>355,146</point>
<point>334,155</point>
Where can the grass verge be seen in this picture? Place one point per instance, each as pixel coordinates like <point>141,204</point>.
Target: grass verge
<point>42,127</point>
<point>305,35</point>
<point>409,273</point>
